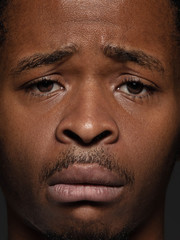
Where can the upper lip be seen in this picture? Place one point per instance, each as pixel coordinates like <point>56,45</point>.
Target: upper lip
<point>87,174</point>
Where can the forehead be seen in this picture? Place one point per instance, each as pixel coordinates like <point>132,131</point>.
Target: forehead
<point>44,25</point>
<point>81,10</point>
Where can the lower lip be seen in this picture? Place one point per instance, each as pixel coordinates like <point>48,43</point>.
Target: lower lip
<point>69,193</point>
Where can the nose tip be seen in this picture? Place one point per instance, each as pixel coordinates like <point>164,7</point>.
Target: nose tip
<point>87,132</point>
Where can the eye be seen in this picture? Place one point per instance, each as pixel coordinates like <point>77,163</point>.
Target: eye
<point>44,86</point>
<point>132,87</point>
<point>136,88</point>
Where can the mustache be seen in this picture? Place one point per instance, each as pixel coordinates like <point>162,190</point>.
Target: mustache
<point>98,156</point>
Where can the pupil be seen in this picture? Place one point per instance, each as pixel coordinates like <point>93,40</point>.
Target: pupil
<point>45,86</point>
<point>135,87</point>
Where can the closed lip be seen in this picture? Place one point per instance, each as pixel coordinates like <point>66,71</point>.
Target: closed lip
<point>88,182</point>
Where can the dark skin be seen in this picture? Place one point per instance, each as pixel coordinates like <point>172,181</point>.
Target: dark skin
<point>131,97</point>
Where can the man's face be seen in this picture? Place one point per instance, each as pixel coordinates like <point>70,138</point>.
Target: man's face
<point>89,114</point>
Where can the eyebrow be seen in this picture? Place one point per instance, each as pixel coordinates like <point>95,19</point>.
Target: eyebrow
<point>43,59</point>
<point>122,55</point>
<point>116,53</point>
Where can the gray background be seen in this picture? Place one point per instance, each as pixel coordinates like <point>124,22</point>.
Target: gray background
<point>172,218</point>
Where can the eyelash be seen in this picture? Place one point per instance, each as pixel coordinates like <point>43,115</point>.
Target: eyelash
<point>33,84</point>
<point>148,87</point>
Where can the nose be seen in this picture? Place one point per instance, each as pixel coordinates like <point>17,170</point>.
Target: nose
<point>88,122</point>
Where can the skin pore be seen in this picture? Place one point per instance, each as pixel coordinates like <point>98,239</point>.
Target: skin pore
<point>88,84</point>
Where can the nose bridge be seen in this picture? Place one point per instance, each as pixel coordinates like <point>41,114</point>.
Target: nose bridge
<point>91,103</point>
<point>89,116</point>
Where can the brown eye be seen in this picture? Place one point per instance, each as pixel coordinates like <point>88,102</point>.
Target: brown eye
<point>135,87</point>
<point>45,86</point>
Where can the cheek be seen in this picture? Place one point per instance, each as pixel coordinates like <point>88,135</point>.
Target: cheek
<point>23,154</point>
<point>148,149</point>
<point>25,145</point>
<point>149,144</point>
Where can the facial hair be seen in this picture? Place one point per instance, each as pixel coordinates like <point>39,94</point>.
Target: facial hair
<point>83,235</point>
<point>96,156</point>
<point>104,159</point>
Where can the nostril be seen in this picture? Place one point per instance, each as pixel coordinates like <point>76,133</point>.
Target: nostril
<point>101,136</point>
<point>70,134</point>
<point>75,137</point>
<point>86,141</point>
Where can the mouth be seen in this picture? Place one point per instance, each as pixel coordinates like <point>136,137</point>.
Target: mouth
<point>89,182</point>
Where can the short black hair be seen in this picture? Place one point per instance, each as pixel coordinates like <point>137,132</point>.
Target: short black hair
<point>4,3</point>
<point>176,4</point>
